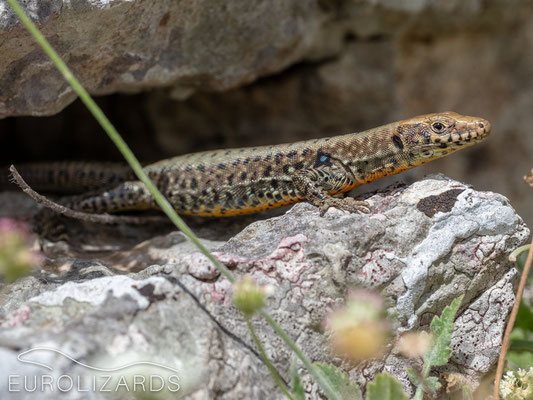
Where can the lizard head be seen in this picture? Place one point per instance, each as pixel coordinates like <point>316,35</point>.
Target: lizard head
<point>436,135</point>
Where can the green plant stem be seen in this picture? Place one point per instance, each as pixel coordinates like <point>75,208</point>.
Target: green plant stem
<point>266,360</point>
<point>321,380</point>
<point>419,394</point>
<point>115,137</point>
<point>514,255</point>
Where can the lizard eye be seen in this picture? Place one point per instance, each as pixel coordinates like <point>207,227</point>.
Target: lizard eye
<point>437,127</point>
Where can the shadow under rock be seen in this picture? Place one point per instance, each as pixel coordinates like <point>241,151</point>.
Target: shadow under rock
<point>123,247</point>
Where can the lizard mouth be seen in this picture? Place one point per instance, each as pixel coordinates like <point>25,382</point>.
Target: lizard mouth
<point>461,134</point>
<point>465,133</point>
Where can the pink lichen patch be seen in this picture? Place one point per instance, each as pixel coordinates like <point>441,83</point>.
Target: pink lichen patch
<point>200,266</point>
<point>384,203</point>
<point>16,318</point>
<point>230,260</point>
<point>287,261</point>
<point>203,269</point>
<point>221,291</point>
<point>378,269</point>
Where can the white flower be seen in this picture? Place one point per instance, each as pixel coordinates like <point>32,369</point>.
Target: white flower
<point>517,385</point>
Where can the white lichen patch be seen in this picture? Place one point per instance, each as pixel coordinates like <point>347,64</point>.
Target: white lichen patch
<point>96,291</point>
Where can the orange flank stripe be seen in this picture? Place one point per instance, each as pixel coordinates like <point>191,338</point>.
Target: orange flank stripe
<point>385,172</point>
<point>217,212</point>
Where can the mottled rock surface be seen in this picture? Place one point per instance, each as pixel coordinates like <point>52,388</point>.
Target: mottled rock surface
<point>129,45</point>
<point>421,246</point>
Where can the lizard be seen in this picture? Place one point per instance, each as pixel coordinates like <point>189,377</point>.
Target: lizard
<point>237,181</point>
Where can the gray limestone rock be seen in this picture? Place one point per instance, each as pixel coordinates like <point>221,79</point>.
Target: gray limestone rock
<point>125,45</point>
<point>421,246</point>
<point>191,45</point>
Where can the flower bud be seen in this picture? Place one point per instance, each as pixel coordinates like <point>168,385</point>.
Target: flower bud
<point>248,296</point>
<point>359,330</point>
<point>16,258</point>
<point>414,344</point>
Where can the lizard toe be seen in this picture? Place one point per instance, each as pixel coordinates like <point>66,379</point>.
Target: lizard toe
<point>347,204</point>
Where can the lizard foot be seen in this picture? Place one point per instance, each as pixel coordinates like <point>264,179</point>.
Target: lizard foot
<point>347,204</point>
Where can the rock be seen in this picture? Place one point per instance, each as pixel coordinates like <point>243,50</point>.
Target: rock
<point>129,45</point>
<point>421,246</point>
<point>201,46</point>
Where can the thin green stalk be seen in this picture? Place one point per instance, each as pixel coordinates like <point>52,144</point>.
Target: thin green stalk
<point>514,255</point>
<point>115,137</point>
<point>321,380</point>
<point>419,394</point>
<point>267,362</point>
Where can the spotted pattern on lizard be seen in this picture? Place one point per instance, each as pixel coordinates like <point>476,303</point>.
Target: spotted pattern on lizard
<point>247,180</point>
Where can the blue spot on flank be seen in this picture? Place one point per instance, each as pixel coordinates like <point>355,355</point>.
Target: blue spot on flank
<point>322,158</point>
<point>251,196</point>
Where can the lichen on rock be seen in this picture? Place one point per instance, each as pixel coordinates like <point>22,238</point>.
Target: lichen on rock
<point>179,312</point>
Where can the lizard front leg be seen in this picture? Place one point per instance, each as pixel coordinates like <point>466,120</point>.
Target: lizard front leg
<point>318,185</point>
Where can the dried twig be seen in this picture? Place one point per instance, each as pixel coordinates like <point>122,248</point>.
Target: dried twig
<point>510,324</point>
<point>69,212</point>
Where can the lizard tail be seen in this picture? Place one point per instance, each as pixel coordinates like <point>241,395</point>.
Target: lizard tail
<point>67,177</point>
<point>131,195</point>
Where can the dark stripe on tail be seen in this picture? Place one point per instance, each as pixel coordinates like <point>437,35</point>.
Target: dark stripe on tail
<point>127,196</point>
<point>68,177</point>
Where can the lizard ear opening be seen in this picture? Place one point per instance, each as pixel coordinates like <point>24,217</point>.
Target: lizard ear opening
<point>397,142</point>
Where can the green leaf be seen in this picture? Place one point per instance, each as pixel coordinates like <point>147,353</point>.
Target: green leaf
<point>432,384</point>
<point>429,385</point>
<point>385,387</point>
<point>524,319</point>
<point>520,359</point>
<point>442,329</point>
<point>467,393</point>
<point>414,376</point>
<point>521,345</point>
<point>297,389</point>
<point>340,382</point>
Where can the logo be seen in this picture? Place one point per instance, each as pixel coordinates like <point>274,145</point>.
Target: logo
<point>125,376</point>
